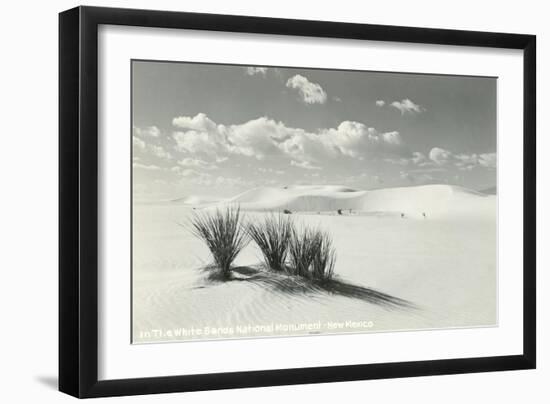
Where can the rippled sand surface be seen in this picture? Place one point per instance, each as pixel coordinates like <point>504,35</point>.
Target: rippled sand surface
<point>392,274</point>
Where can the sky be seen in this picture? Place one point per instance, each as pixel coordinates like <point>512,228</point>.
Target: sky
<point>218,130</point>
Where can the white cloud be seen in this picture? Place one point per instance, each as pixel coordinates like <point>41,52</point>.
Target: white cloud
<point>304,164</point>
<point>138,143</point>
<point>159,152</point>
<point>466,158</point>
<point>401,161</point>
<point>380,103</point>
<point>466,162</point>
<point>463,161</point>
<point>202,135</point>
<point>263,137</point>
<point>392,138</point>
<point>192,141</point>
<point>188,172</point>
<point>488,160</point>
<point>311,93</point>
<point>199,122</point>
<point>146,167</point>
<point>270,171</point>
<point>406,106</point>
<point>440,156</point>
<point>355,139</point>
<point>252,70</point>
<point>148,131</point>
<point>418,158</point>
<point>195,162</point>
<point>337,99</point>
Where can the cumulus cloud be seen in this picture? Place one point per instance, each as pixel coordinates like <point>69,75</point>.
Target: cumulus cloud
<point>304,164</point>
<point>380,103</point>
<point>357,140</point>
<point>148,131</point>
<point>406,106</point>
<point>187,172</point>
<point>488,160</point>
<point>311,93</point>
<point>401,161</point>
<point>141,145</point>
<point>252,70</point>
<point>196,162</point>
<point>440,156</point>
<point>392,138</point>
<point>264,137</point>
<point>202,135</point>
<point>418,158</point>
<point>160,152</point>
<point>199,122</point>
<point>138,143</point>
<point>463,161</point>
<point>466,162</point>
<point>151,167</point>
<point>192,141</point>
<point>439,159</point>
<point>270,170</point>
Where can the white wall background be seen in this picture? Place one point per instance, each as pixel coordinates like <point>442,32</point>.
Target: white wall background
<point>28,201</point>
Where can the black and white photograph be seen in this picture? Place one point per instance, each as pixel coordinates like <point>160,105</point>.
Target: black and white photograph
<point>272,201</point>
<point>275,202</point>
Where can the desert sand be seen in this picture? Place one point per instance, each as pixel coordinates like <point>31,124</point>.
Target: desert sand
<point>394,273</point>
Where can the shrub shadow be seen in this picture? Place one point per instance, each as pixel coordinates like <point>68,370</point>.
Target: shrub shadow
<point>294,285</point>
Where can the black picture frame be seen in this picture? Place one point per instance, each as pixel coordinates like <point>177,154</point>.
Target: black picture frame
<point>78,201</point>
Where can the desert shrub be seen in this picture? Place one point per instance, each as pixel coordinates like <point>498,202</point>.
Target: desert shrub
<point>272,235</point>
<point>224,235</point>
<point>312,254</point>
<point>324,257</point>
<point>302,250</point>
<point>287,212</point>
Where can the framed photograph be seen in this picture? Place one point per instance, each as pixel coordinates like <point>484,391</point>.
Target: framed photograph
<point>252,201</point>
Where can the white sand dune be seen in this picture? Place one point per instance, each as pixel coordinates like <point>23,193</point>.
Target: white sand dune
<point>434,200</point>
<point>445,264</point>
<point>195,200</point>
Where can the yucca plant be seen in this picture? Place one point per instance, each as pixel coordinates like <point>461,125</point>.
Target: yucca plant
<point>302,251</point>
<point>224,235</point>
<point>324,257</point>
<point>272,235</point>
